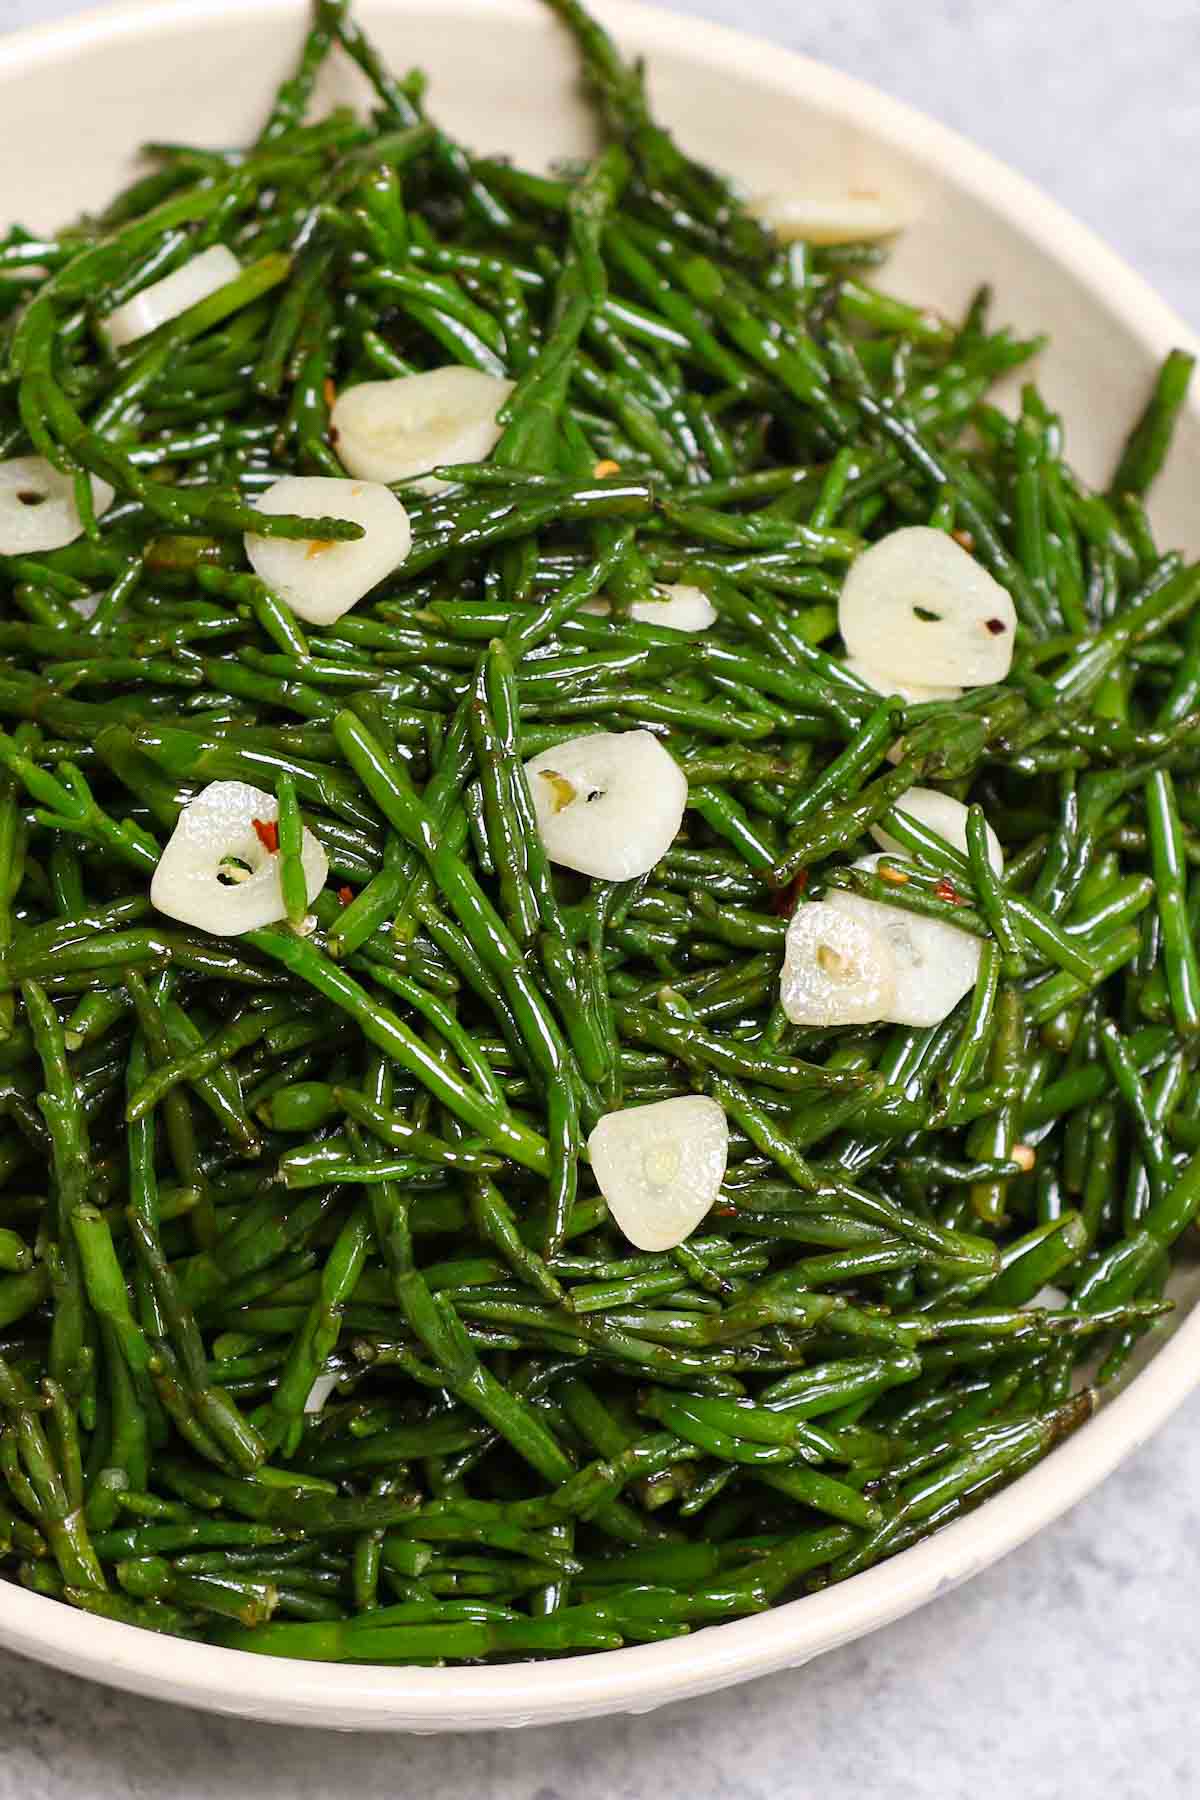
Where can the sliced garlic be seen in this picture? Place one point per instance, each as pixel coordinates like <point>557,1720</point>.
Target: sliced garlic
<point>837,970</point>
<point>941,813</point>
<point>935,963</point>
<point>683,608</point>
<point>917,605</point>
<point>217,874</point>
<point>322,580</point>
<point>904,690</point>
<point>1050,1297</point>
<point>398,430</point>
<point>660,1167</point>
<point>319,1393</point>
<point>829,213</point>
<point>37,506</point>
<point>609,804</point>
<point>192,282</point>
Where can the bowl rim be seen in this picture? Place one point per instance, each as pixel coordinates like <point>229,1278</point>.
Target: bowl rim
<point>642,1677</point>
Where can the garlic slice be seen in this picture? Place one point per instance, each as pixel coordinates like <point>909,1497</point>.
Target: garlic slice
<point>682,608</point>
<point>917,605</point>
<point>935,963</point>
<point>217,874</point>
<point>1052,1298</point>
<point>319,1393</point>
<point>398,430</point>
<point>905,690</point>
<point>609,804</point>
<point>837,970</point>
<point>941,813</point>
<point>830,213</point>
<point>660,1167</point>
<point>37,506</point>
<point>190,283</point>
<point>322,580</point>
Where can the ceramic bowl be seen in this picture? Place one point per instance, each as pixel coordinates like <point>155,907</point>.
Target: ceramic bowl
<point>85,93</point>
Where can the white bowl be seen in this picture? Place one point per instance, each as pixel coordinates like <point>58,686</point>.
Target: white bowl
<point>79,97</point>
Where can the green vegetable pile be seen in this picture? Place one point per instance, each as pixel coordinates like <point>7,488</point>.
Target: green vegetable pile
<point>233,1166</point>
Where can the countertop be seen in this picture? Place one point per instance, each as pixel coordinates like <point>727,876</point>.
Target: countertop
<point>1067,1670</point>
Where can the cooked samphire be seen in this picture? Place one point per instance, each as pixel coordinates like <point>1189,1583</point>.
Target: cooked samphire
<point>598,994</point>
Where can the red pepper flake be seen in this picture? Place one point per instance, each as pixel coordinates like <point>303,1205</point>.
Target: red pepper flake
<point>897,877</point>
<point>787,899</point>
<point>965,538</point>
<point>345,895</point>
<point>267,833</point>
<point>946,890</point>
<point>330,392</point>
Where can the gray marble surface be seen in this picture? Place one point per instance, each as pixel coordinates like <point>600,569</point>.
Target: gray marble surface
<point>1069,1670</point>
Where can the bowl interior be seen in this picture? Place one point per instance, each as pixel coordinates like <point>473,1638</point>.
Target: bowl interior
<point>504,79</point>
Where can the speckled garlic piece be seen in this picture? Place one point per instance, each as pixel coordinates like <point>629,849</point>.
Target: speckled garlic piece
<point>322,580</point>
<point>935,963</point>
<point>660,1167</point>
<point>217,874</point>
<point>37,506</point>
<point>608,804</point>
<point>919,607</point>
<point>397,430</point>
<point>837,970</point>
<point>941,813</point>
<point>190,283</point>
